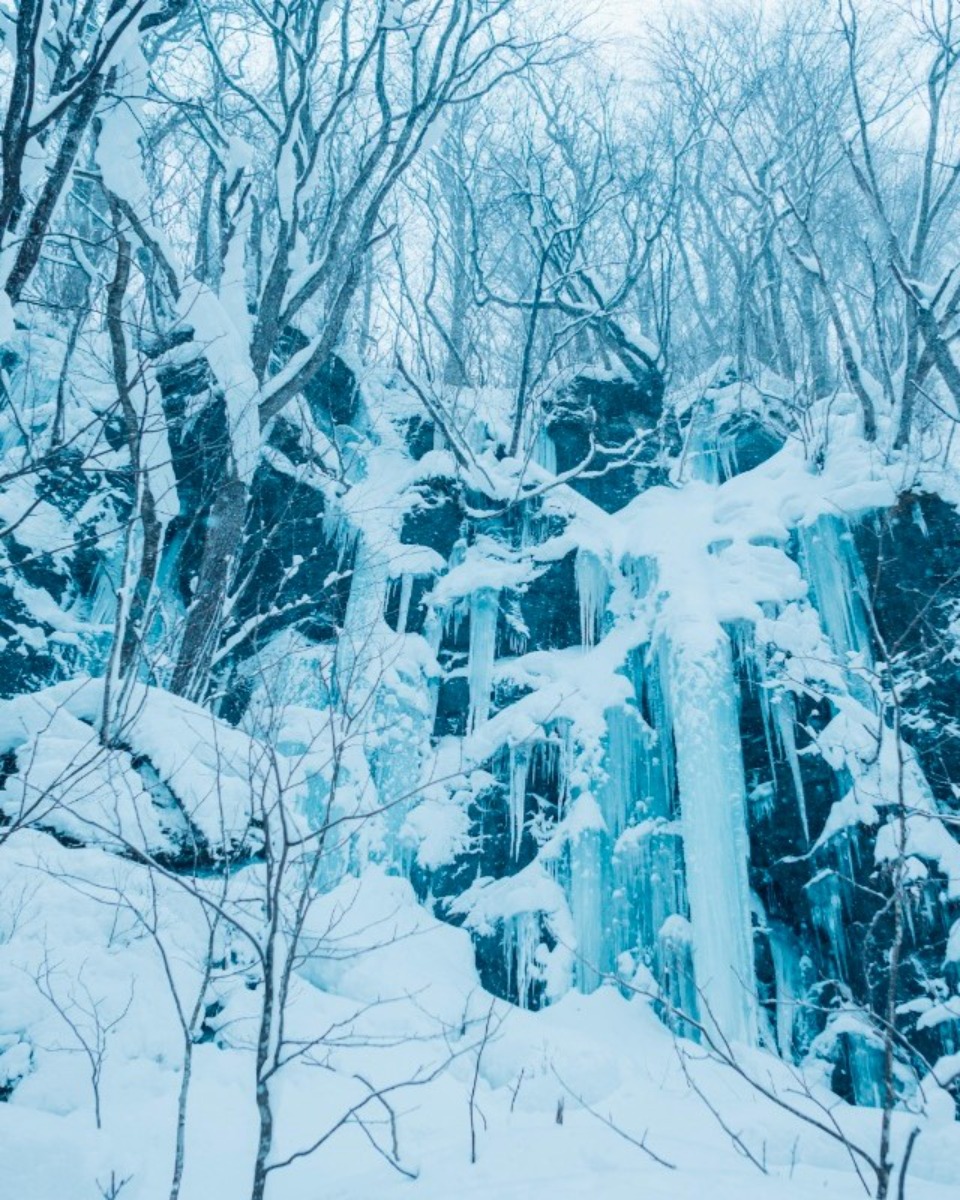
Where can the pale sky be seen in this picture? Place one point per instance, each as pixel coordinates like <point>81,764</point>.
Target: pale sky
<point>622,21</point>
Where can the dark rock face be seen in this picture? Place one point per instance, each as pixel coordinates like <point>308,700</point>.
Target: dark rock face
<point>501,973</point>
<point>199,448</point>
<point>549,609</point>
<point>417,611</point>
<point>912,558</point>
<point>287,561</point>
<point>28,658</point>
<point>453,704</point>
<point>623,406</point>
<point>778,841</point>
<point>34,650</point>
<point>419,437</point>
<point>611,416</point>
<point>436,520</point>
<point>744,441</point>
<point>332,394</point>
<point>290,574</point>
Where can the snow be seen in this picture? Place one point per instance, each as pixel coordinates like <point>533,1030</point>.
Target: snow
<point>229,359</point>
<point>74,784</point>
<point>622,910</point>
<point>118,154</point>
<point>324,835</point>
<point>928,838</point>
<point>33,520</point>
<point>402,989</point>
<point>380,945</point>
<point>485,564</point>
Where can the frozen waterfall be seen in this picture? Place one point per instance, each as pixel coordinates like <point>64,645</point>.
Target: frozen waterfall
<point>702,700</point>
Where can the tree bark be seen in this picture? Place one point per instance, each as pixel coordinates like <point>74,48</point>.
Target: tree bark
<point>221,545</point>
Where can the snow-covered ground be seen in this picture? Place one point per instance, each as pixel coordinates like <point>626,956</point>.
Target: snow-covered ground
<point>393,1003</point>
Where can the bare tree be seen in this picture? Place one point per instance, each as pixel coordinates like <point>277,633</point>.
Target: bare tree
<point>88,1018</point>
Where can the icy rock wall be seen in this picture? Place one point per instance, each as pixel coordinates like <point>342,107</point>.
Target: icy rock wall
<point>625,729</point>
<point>707,649</point>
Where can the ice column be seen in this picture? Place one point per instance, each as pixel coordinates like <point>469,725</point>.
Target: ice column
<point>519,765</point>
<point>649,867</point>
<point>675,975</point>
<point>703,704</point>
<point>587,884</point>
<point>592,591</point>
<point>788,977</point>
<point>588,891</point>
<point>700,451</point>
<point>825,897</point>
<point>359,648</point>
<point>522,950</point>
<point>833,569</point>
<point>484,608</point>
<point>646,860</point>
<point>384,696</point>
<point>783,712</point>
<point>406,595</point>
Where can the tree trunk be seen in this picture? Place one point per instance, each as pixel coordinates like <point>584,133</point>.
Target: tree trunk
<point>221,546</point>
<point>32,245</point>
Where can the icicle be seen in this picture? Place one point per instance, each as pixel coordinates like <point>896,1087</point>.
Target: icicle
<point>642,573</point>
<point>522,951</point>
<point>778,710</point>
<point>659,782</point>
<point>359,662</point>
<point>484,609</point>
<point>726,450</point>
<point>403,720</point>
<point>784,724</point>
<point>664,893</point>
<point>563,731</point>
<point>623,768</point>
<point>864,1052</point>
<point>386,697</point>
<point>700,451</point>
<point>633,790</point>
<point>649,886</point>
<point>592,591</point>
<point>406,593</point>
<point>834,571</point>
<point>703,705</point>
<point>338,532</point>
<point>103,602</point>
<point>587,891</point>
<point>824,896</point>
<point>519,766</point>
<point>788,980</point>
<point>545,452</point>
<point>433,627</point>
<point>866,1070</point>
<point>675,972</point>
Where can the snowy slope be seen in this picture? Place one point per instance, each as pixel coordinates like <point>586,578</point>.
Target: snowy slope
<point>399,1009</point>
